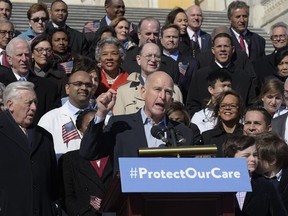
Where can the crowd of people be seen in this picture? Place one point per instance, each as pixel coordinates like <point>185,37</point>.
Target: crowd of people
<point>74,102</point>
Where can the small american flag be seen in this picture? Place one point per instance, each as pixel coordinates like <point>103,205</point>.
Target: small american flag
<point>69,132</point>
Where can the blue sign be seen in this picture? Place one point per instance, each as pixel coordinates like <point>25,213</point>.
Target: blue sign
<point>184,175</point>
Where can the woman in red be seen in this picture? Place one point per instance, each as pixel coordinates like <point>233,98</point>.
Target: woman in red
<point>110,54</point>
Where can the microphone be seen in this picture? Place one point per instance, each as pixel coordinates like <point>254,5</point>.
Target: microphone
<point>158,133</point>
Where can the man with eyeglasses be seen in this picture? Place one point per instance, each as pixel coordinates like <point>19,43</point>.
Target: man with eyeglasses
<point>19,58</point>
<point>6,34</point>
<point>59,14</point>
<point>242,82</point>
<point>266,66</point>
<point>148,32</point>
<point>61,122</point>
<point>129,99</point>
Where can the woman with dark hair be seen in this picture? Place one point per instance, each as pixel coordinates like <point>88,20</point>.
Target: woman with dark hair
<point>281,61</point>
<point>178,17</point>
<point>110,54</point>
<point>42,64</point>
<point>178,112</point>
<point>272,96</point>
<point>38,18</point>
<point>228,110</point>
<point>62,57</point>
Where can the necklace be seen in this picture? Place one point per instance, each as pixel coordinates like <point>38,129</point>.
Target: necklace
<point>111,81</point>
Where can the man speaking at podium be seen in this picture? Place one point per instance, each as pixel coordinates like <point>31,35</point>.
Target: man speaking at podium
<point>125,134</point>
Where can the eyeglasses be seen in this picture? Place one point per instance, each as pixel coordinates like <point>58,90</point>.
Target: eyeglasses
<point>37,19</point>
<point>3,33</point>
<point>78,84</point>
<point>278,37</point>
<point>41,50</point>
<point>150,56</point>
<point>228,106</point>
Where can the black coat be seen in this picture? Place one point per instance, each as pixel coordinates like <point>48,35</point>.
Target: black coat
<point>80,181</point>
<point>46,91</point>
<point>218,136</point>
<point>28,170</point>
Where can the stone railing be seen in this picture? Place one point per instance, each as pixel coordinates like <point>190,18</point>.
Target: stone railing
<point>274,10</point>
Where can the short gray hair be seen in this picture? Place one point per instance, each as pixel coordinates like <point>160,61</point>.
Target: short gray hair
<point>277,25</point>
<point>10,46</point>
<point>109,40</point>
<point>11,91</point>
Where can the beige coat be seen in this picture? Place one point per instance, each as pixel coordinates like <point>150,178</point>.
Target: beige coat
<point>129,99</point>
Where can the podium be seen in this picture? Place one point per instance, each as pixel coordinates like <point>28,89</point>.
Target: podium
<point>156,204</point>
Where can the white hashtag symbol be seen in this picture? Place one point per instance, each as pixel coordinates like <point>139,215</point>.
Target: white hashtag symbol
<point>133,173</point>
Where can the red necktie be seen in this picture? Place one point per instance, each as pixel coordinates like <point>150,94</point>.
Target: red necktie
<point>242,43</point>
<point>4,59</point>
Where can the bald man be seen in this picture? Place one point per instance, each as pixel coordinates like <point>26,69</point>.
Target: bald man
<point>133,130</point>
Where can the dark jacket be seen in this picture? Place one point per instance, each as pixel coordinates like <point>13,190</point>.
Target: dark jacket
<point>28,170</point>
<point>123,136</point>
<point>218,136</point>
<point>80,181</point>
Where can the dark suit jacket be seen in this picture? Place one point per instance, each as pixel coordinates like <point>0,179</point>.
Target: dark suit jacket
<point>167,64</point>
<point>184,80</point>
<point>278,125</point>
<point>77,41</point>
<point>28,170</point>
<point>80,181</point>
<point>256,44</point>
<point>198,89</point>
<point>206,41</point>
<point>123,136</point>
<point>46,91</point>
<point>262,201</point>
<point>283,187</point>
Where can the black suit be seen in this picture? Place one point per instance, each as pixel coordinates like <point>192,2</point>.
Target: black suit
<point>256,44</point>
<point>198,90</point>
<point>46,91</point>
<point>28,170</point>
<point>262,201</point>
<point>183,80</point>
<point>78,44</point>
<point>283,187</point>
<point>279,125</point>
<point>123,136</point>
<point>80,181</point>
